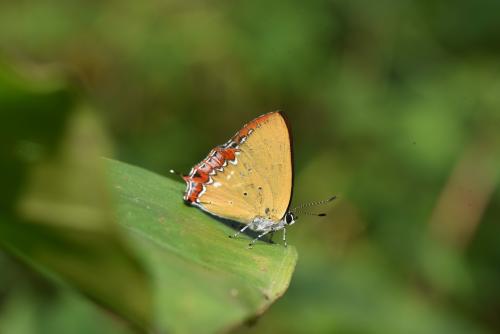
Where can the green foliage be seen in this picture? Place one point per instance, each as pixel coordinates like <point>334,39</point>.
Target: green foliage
<point>166,266</point>
<point>203,281</point>
<point>58,217</point>
<point>394,107</point>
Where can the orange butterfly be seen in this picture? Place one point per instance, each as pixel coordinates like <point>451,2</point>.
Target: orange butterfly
<point>249,179</point>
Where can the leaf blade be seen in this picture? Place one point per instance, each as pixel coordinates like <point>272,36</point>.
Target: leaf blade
<point>215,282</point>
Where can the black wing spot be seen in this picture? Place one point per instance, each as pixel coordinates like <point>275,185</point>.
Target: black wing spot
<point>267,211</point>
<point>245,193</point>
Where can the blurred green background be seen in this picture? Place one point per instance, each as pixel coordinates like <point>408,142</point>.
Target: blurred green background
<point>394,107</point>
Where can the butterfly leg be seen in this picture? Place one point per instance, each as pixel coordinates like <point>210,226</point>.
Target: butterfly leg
<point>284,237</point>
<point>238,233</point>
<point>271,237</point>
<point>250,245</point>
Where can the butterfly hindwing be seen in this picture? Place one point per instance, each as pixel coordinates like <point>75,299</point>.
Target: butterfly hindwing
<point>258,182</point>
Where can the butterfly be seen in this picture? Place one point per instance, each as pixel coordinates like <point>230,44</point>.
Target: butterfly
<point>249,179</point>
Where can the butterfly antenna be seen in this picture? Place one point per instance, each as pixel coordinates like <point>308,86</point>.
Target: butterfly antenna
<point>313,214</point>
<point>306,205</point>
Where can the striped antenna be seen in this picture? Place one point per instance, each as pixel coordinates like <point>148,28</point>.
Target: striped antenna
<point>307,205</point>
<point>312,214</point>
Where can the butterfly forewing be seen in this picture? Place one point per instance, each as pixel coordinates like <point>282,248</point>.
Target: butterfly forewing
<point>259,181</point>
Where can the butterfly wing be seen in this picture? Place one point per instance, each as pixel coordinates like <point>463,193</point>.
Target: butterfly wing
<point>258,182</point>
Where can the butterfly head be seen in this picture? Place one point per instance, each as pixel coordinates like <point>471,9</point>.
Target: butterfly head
<point>290,218</point>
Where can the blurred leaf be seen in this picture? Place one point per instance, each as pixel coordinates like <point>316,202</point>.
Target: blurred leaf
<point>359,294</point>
<point>32,119</point>
<point>203,281</point>
<point>23,311</point>
<point>382,97</point>
<point>58,215</point>
<point>64,225</point>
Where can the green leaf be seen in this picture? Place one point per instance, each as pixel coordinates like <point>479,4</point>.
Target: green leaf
<point>203,281</point>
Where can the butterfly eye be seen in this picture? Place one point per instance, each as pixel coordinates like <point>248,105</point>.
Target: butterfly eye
<point>289,218</point>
